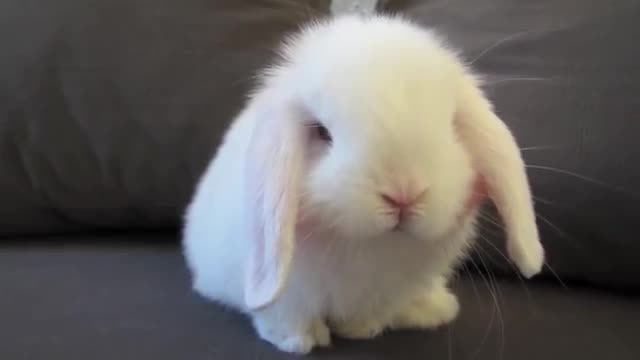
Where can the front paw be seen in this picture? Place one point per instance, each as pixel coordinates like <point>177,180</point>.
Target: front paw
<point>321,333</point>
<point>429,310</point>
<point>293,339</point>
<point>357,329</point>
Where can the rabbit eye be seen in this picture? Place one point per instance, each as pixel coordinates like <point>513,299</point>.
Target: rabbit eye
<point>322,132</point>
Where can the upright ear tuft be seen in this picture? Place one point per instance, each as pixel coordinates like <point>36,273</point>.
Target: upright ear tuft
<point>273,175</point>
<point>496,156</point>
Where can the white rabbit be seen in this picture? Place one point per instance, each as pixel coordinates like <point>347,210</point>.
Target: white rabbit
<point>345,192</point>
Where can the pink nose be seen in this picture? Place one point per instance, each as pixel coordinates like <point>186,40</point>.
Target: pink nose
<point>402,201</point>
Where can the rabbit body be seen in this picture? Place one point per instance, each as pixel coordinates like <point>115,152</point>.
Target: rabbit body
<point>345,193</point>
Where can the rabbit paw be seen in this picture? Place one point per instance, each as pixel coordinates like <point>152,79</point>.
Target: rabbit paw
<point>431,309</point>
<point>293,341</point>
<point>321,333</point>
<point>358,330</point>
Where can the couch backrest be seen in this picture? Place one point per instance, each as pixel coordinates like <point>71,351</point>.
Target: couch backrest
<point>109,110</point>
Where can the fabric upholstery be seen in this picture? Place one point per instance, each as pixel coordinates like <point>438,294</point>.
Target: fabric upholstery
<point>128,297</point>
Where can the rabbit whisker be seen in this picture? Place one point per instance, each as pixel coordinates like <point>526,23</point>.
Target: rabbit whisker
<point>530,148</point>
<point>506,258</point>
<point>498,295</point>
<point>508,80</point>
<point>582,177</point>
<point>496,311</point>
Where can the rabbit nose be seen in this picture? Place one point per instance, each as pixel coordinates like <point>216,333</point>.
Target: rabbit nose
<point>401,200</point>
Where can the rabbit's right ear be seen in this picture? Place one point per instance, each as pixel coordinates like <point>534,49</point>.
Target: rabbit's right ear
<point>272,179</point>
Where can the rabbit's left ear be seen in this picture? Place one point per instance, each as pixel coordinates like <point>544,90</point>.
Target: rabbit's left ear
<point>272,177</point>
<point>496,156</point>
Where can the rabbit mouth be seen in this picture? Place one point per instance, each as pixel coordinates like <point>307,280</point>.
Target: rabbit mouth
<point>402,220</point>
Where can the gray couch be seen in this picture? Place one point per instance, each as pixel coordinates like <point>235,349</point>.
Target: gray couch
<point>109,111</point>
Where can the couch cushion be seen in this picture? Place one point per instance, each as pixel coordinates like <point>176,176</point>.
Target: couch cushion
<point>565,76</point>
<point>106,298</point>
<point>109,110</point>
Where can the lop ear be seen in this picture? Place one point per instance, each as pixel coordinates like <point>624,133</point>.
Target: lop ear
<point>272,178</point>
<point>496,156</point>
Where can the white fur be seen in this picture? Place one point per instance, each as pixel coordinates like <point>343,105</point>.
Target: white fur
<point>391,95</point>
